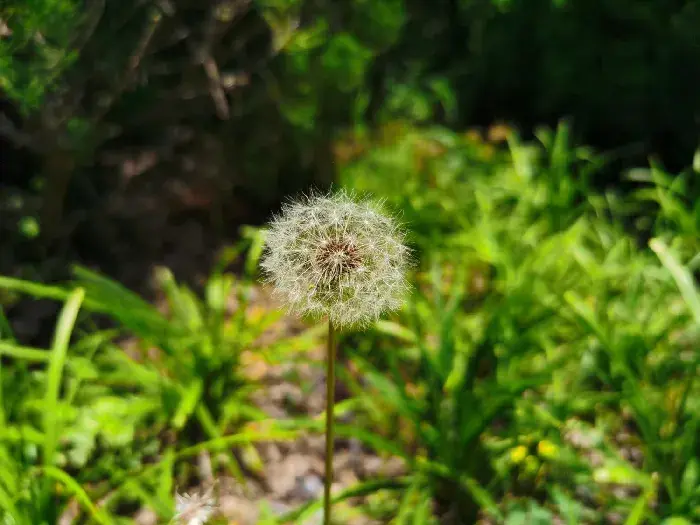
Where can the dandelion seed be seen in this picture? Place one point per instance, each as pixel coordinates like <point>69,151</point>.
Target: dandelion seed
<point>194,509</point>
<point>336,256</point>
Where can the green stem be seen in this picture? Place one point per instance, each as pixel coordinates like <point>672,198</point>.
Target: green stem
<point>2,399</point>
<point>330,403</point>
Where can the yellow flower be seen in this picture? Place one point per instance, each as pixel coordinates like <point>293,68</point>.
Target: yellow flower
<point>518,454</point>
<point>547,449</point>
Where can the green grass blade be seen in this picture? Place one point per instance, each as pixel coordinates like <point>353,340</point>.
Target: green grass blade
<point>393,396</point>
<point>209,425</point>
<point>59,350</point>
<point>636,517</point>
<point>165,479</point>
<point>8,507</point>
<point>683,279</point>
<point>370,439</point>
<point>482,497</point>
<point>134,313</point>
<point>257,245</point>
<point>5,328</point>
<point>356,491</point>
<point>408,502</point>
<point>396,330</point>
<point>188,402</point>
<point>25,353</point>
<point>34,289</point>
<point>243,438</point>
<point>587,316</point>
<point>5,333</point>
<point>2,398</point>
<point>423,512</point>
<point>74,488</point>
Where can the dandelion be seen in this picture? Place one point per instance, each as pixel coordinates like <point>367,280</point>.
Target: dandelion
<point>331,255</point>
<point>194,509</point>
<point>335,256</point>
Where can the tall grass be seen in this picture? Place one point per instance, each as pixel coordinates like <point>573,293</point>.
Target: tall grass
<point>543,368</point>
<point>127,425</point>
<point>538,315</point>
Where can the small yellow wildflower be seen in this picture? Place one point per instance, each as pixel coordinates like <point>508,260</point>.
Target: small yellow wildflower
<point>546,449</point>
<point>518,454</point>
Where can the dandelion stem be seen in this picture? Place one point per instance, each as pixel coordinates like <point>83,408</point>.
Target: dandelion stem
<point>330,403</point>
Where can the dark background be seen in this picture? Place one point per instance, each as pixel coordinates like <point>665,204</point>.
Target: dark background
<point>134,153</point>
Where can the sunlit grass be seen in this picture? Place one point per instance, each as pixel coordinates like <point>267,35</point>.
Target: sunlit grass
<point>544,365</point>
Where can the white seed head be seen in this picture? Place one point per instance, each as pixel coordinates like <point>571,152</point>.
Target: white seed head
<point>194,509</point>
<point>337,256</point>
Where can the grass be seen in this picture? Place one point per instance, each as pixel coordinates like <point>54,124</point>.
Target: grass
<point>543,367</point>
<point>535,307</point>
<point>194,389</point>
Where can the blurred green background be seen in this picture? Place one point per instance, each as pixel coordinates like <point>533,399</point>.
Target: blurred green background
<point>542,157</point>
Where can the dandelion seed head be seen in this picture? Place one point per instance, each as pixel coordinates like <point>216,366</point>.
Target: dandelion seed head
<point>335,255</point>
<point>194,509</point>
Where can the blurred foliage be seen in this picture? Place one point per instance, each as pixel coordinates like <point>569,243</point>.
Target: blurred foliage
<point>295,73</point>
<point>535,61</point>
<point>280,74</point>
<point>37,49</point>
<point>32,414</point>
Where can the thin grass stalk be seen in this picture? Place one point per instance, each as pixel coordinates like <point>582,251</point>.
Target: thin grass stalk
<point>330,403</point>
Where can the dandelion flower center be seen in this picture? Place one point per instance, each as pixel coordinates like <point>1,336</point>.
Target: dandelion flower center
<point>335,259</point>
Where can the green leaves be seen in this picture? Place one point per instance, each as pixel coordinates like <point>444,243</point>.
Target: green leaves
<point>74,488</point>
<point>682,277</point>
<point>201,344</point>
<point>43,28</point>
<point>106,408</point>
<point>534,309</point>
<point>59,350</point>
<point>26,491</point>
<point>345,61</point>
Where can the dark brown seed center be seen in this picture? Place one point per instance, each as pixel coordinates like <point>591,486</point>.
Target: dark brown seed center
<point>335,258</point>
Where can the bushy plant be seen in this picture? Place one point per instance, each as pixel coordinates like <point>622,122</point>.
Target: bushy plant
<point>180,391</point>
<point>537,312</point>
<point>34,486</point>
